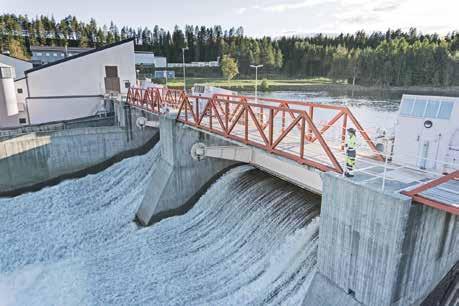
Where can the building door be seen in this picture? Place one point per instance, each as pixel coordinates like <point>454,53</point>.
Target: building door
<point>424,155</point>
<point>112,80</point>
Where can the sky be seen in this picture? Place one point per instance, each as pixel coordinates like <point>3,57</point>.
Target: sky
<point>258,17</point>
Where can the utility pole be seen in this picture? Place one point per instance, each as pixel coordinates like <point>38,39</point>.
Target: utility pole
<point>184,75</point>
<point>166,74</point>
<point>256,80</point>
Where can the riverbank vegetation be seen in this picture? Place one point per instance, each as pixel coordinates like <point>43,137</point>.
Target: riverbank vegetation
<point>393,58</point>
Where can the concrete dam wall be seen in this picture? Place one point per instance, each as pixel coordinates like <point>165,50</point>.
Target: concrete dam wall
<point>38,157</point>
<point>375,248</point>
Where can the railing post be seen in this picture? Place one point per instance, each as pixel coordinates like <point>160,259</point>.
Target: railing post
<point>384,174</point>
<point>246,122</point>
<point>210,112</point>
<point>197,110</point>
<point>186,111</point>
<point>271,127</point>
<point>343,132</point>
<point>303,131</point>
<point>311,116</point>
<point>283,120</point>
<point>227,115</point>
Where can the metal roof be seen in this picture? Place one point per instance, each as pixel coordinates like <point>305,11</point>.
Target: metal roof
<point>79,55</point>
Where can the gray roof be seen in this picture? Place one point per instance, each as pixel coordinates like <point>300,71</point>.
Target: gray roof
<point>57,49</point>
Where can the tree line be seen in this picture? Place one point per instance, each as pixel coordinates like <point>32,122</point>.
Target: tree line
<point>391,58</point>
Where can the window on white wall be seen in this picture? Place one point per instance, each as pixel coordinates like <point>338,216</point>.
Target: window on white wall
<point>445,110</point>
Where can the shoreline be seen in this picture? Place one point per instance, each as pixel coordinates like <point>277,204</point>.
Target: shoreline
<point>395,91</point>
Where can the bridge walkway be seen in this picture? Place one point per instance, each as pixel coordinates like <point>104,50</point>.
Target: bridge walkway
<point>309,133</point>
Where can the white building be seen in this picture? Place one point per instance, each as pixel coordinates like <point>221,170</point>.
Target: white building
<point>196,64</point>
<point>19,65</point>
<point>427,133</point>
<point>46,54</point>
<point>149,59</point>
<point>72,87</point>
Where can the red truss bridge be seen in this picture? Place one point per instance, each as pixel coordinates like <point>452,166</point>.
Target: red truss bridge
<point>311,134</point>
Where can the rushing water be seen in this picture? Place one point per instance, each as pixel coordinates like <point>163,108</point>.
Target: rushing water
<point>250,239</point>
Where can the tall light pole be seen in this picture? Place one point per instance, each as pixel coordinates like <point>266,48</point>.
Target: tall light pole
<point>256,80</point>
<point>184,76</point>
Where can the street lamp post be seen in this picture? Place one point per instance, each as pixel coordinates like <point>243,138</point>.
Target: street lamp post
<point>256,80</point>
<point>166,75</point>
<point>184,76</point>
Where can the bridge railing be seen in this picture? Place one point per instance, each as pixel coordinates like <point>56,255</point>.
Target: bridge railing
<point>155,100</point>
<point>274,125</point>
<point>309,133</point>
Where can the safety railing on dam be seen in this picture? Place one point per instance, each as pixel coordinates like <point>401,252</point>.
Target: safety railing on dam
<point>285,128</point>
<point>308,133</point>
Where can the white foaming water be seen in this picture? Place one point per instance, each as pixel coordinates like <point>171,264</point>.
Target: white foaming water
<point>251,239</point>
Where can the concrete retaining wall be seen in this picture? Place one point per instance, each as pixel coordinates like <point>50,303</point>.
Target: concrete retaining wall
<point>36,157</point>
<point>379,248</point>
<point>178,177</point>
<point>92,121</point>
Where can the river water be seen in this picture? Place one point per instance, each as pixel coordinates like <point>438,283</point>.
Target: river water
<point>372,112</point>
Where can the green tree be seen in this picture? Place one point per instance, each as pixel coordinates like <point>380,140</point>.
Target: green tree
<point>264,86</point>
<point>229,67</point>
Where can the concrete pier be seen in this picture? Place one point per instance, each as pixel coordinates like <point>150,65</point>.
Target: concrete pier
<point>178,178</point>
<point>378,248</point>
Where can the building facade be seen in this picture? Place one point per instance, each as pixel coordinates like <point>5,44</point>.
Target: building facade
<point>73,87</point>
<point>19,65</point>
<point>42,55</point>
<point>148,59</point>
<point>427,133</point>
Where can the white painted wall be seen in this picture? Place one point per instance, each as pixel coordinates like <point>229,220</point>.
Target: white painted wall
<point>19,65</point>
<point>13,121</point>
<point>411,135</point>
<point>144,58</point>
<point>160,62</point>
<point>57,109</point>
<point>84,75</point>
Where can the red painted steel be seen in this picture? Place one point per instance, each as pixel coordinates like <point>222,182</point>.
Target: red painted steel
<point>268,124</point>
<point>254,121</point>
<point>418,197</point>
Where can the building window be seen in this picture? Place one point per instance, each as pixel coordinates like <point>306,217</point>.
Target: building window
<point>445,110</point>
<point>47,54</point>
<point>22,121</point>
<point>19,90</point>
<point>62,54</point>
<point>55,54</point>
<point>39,54</point>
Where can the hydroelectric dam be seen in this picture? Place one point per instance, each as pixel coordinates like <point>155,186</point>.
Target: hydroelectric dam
<point>243,201</point>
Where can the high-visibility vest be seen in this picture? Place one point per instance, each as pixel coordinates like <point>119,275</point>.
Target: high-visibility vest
<point>352,142</point>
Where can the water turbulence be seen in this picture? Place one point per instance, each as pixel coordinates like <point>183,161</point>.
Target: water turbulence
<point>250,239</point>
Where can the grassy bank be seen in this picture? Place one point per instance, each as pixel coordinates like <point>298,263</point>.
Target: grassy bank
<point>243,85</point>
<point>316,84</point>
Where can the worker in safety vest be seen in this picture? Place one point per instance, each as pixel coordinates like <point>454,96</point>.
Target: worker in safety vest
<point>351,152</point>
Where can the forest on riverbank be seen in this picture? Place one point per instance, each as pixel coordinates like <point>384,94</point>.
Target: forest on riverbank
<point>392,58</point>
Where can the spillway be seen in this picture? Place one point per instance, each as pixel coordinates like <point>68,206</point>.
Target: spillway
<point>250,239</point>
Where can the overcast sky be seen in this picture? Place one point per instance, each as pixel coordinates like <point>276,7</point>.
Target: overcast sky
<point>258,17</point>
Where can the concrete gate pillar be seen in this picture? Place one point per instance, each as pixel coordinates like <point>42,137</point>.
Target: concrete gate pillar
<point>178,179</point>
